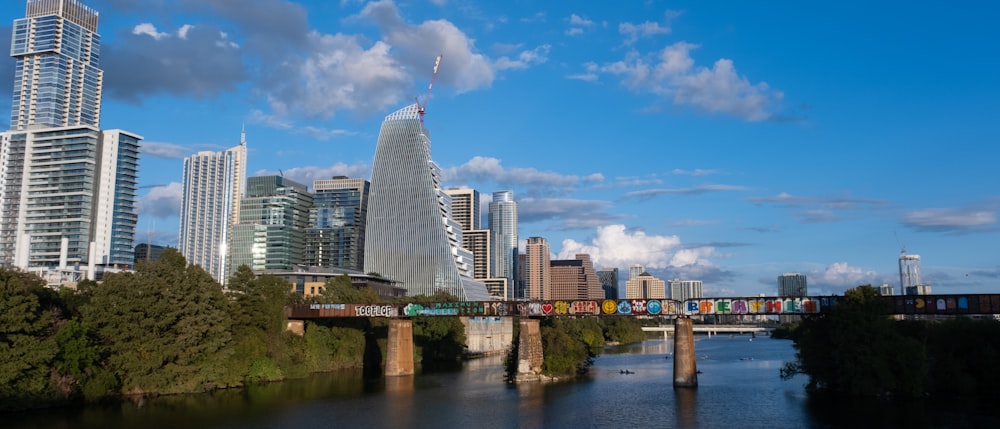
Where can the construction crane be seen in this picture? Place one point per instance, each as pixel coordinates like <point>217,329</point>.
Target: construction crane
<point>422,108</point>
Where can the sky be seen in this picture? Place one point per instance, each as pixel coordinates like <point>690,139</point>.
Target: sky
<point>727,142</point>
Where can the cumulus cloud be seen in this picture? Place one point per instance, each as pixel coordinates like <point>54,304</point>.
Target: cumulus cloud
<point>615,246</point>
<point>162,201</point>
<point>950,219</point>
<point>634,32</point>
<point>487,169</point>
<point>841,276</point>
<point>718,89</point>
<point>309,174</point>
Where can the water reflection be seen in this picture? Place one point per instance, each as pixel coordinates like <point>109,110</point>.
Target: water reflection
<point>686,407</point>
<point>399,395</point>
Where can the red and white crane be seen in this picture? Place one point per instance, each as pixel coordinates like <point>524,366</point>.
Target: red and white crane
<point>422,108</point>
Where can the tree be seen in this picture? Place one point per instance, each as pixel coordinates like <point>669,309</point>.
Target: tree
<point>27,344</point>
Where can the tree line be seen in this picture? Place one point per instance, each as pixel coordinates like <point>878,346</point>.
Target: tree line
<point>858,349</point>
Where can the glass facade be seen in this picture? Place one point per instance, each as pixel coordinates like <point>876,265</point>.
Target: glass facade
<point>410,236</point>
<point>336,234</point>
<point>212,189</point>
<point>274,214</point>
<point>503,238</point>
<point>57,78</point>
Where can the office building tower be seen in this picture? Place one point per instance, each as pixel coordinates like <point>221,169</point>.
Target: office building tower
<point>909,275</point>
<point>147,252</point>
<point>609,282</point>
<point>336,234</point>
<point>792,284</point>
<point>635,270</point>
<point>274,216</point>
<point>645,286</point>
<point>67,188</point>
<point>57,77</point>
<point>213,185</point>
<point>410,235</point>
<point>683,290</point>
<point>537,269</point>
<point>574,279</point>
<point>465,207</point>
<point>503,238</point>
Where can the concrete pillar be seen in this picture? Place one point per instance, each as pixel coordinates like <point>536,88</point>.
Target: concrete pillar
<point>529,351</point>
<point>685,361</point>
<point>399,349</point>
<point>297,327</point>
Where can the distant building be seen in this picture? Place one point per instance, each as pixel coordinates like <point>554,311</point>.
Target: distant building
<point>635,270</point>
<point>537,269</point>
<point>274,216</point>
<point>213,186</point>
<point>609,282</point>
<point>465,207</point>
<point>148,252</point>
<point>410,235</point>
<point>574,279</point>
<point>885,289</point>
<point>336,233</point>
<point>645,286</point>
<point>792,284</point>
<point>918,290</point>
<point>683,290</point>
<point>312,281</point>
<point>909,275</point>
<point>503,238</point>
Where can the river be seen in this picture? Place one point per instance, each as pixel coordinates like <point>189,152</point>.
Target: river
<point>739,386</point>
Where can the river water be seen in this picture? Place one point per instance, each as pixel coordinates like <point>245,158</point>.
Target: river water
<point>739,387</point>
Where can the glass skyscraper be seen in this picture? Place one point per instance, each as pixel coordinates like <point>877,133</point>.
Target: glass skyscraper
<point>410,234</point>
<point>274,215</point>
<point>212,185</point>
<point>503,239</point>
<point>336,234</point>
<point>67,189</point>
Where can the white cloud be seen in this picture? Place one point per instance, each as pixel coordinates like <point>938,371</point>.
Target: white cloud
<point>950,219</point>
<point>280,123</point>
<point>842,275</point>
<point>164,150</point>
<point>525,59</point>
<point>634,32</point>
<point>147,29</point>
<point>489,169</point>
<point>162,201</point>
<point>673,74</point>
<point>580,21</point>
<point>614,246</point>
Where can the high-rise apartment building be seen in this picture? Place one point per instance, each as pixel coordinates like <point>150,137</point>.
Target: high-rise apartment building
<point>909,275</point>
<point>274,215</point>
<point>792,284</point>
<point>465,210</point>
<point>503,238</point>
<point>410,235</point>
<point>609,282</point>
<point>683,290</point>
<point>213,185</point>
<point>574,279</point>
<point>537,269</point>
<point>336,234</point>
<point>645,286</point>
<point>465,207</point>
<point>67,189</point>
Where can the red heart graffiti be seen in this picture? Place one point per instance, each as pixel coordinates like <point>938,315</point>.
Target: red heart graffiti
<point>547,308</point>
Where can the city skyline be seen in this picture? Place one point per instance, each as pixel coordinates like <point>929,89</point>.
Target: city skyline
<point>727,146</point>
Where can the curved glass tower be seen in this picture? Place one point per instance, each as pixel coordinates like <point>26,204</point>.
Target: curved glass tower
<point>410,235</point>
<point>503,238</point>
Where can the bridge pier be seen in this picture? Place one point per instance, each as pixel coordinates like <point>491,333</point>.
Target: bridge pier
<point>685,361</point>
<point>529,351</point>
<point>399,348</point>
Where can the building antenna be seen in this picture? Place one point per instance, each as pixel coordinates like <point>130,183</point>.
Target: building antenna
<point>901,246</point>
<point>422,108</point>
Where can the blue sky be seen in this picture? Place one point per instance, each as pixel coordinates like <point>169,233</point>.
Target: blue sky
<point>722,141</point>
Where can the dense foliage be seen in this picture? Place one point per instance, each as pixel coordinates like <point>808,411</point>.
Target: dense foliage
<point>165,328</point>
<point>858,350</point>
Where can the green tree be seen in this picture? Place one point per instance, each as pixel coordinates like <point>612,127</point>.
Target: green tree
<point>857,350</point>
<point>27,345</point>
<point>164,328</point>
<point>566,350</point>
